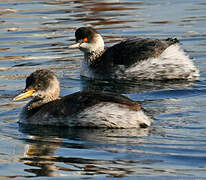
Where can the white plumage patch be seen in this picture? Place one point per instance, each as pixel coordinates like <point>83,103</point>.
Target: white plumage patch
<point>112,115</point>
<point>108,115</point>
<point>173,63</point>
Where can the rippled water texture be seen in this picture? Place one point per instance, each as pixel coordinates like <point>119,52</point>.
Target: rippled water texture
<point>35,34</point>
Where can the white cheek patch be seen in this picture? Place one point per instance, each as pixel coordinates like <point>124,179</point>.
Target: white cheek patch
<point>97,45</point>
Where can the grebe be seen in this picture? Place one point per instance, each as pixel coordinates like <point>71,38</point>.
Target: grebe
<point>139,59</point>
<point>81,109</point>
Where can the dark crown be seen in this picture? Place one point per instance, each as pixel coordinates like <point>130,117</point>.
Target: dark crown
<point>85,32</point>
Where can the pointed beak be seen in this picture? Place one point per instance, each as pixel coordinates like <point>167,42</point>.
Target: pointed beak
<point>77,45</point>
<point>24,94</point>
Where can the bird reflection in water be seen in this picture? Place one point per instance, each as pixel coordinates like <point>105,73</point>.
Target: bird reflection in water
<point>129,87</point>
<point>42,156</point>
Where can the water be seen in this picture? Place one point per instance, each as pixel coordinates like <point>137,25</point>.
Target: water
<point>35,34</point>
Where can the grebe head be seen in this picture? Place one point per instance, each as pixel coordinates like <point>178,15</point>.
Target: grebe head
<point>88,40</point>
<point>41,85</point>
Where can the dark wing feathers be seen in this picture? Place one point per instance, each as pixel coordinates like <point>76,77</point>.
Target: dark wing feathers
<point>79,101</point>
<point>131,51</point>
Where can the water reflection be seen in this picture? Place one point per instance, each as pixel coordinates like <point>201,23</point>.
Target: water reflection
<point>129,87</point>
<point>40,156</point>
<point>35,34</point>
<point>94,135</point>
<point>98,13</point>
<point>43,159</point>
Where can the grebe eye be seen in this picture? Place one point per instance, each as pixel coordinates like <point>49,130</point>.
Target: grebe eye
<point>85,39</point>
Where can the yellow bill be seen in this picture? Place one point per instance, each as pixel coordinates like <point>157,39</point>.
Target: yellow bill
<point>24,95</point>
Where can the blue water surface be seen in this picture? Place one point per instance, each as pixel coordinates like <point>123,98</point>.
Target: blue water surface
<point>36,34</point>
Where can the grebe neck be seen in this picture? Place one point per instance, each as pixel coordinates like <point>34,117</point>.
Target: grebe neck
<point>92,57</point>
